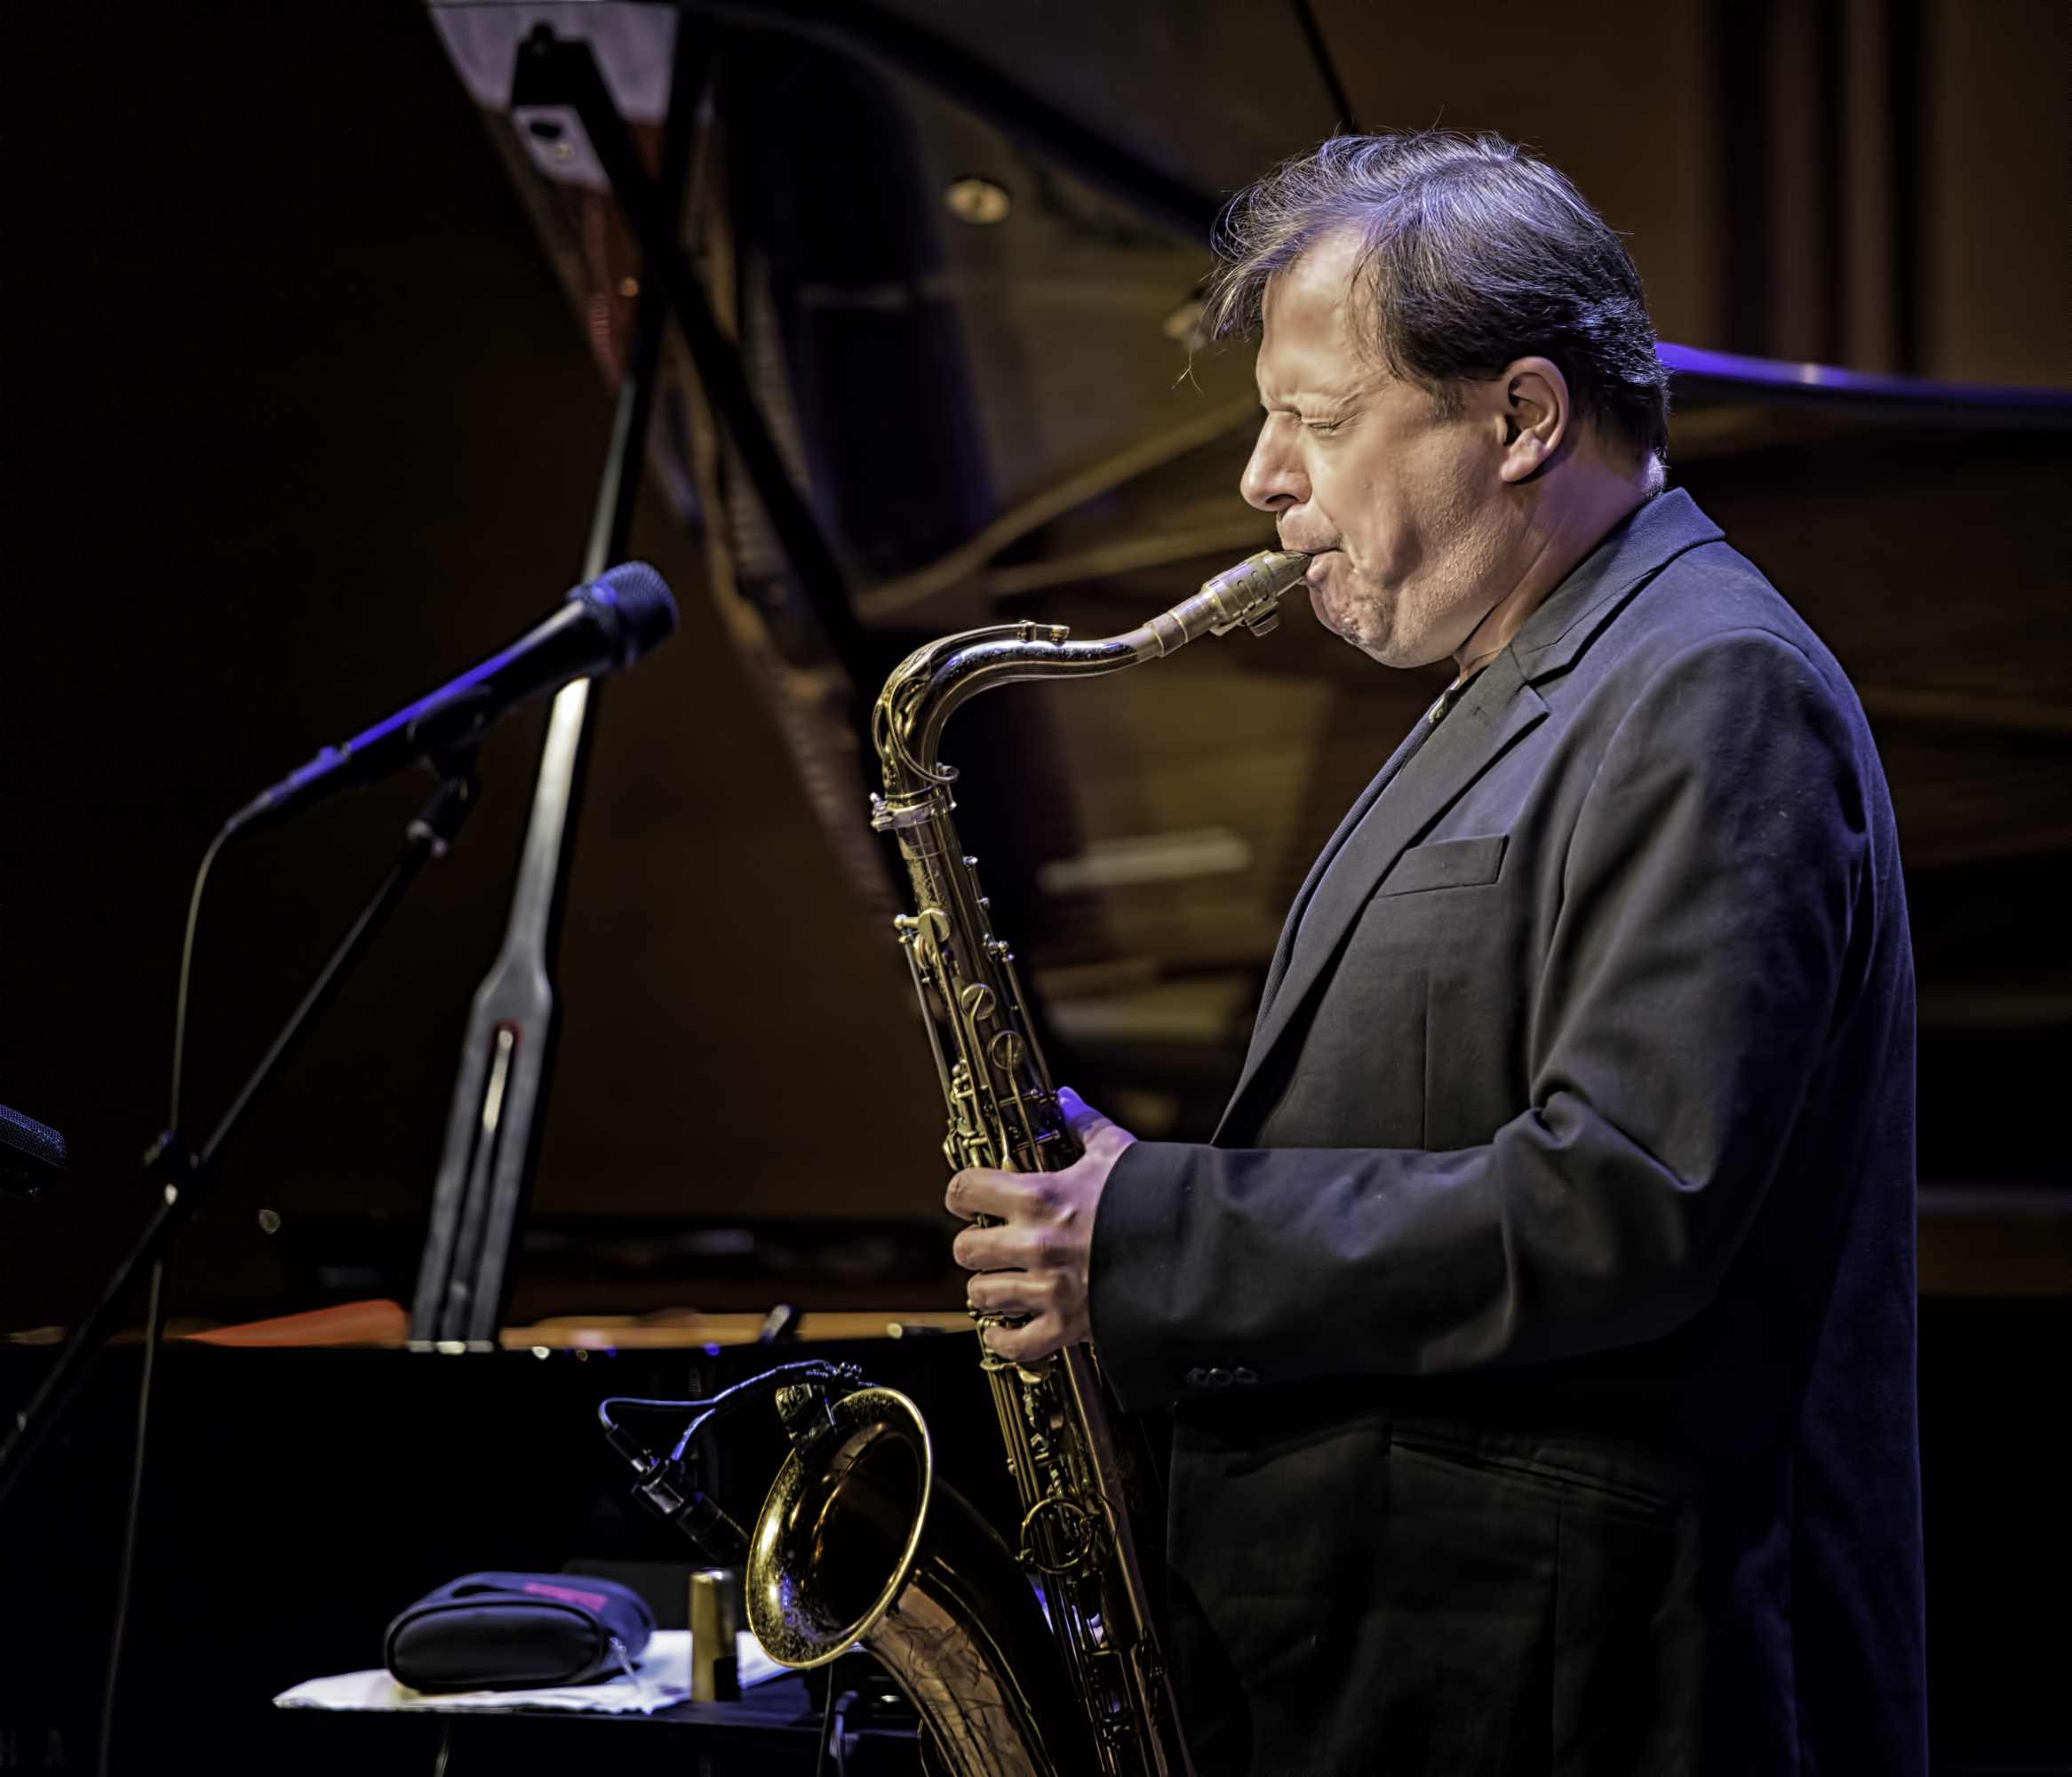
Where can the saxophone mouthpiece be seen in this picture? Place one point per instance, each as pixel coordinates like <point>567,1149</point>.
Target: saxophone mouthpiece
<point>1246,596</point>
<point>1251,591</point>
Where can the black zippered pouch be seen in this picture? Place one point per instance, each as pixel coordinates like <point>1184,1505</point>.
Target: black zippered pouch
<point>518,1632</point>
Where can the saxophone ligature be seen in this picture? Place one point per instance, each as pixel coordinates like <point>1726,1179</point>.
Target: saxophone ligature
<point>1037,1657</point>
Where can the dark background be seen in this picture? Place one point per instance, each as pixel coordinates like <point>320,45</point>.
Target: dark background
<point>297,424</point>
<point>294,421</point>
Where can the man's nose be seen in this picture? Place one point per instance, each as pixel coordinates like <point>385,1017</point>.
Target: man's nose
<point>1274,479</point>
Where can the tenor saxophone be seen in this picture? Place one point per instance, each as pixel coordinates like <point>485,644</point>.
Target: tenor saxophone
<point>927,1598</point>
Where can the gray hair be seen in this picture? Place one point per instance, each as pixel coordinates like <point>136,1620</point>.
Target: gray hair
<point>1474,253</point>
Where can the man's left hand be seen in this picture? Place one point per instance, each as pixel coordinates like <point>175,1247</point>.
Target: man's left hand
<point>1035,1261</point>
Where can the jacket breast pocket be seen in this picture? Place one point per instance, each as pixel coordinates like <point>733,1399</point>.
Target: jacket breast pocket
<point>1447,864</point>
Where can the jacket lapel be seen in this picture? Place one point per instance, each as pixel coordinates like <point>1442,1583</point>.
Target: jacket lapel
<point>1578,610</point>
<point>1421,782</point>
<point>1354,816</point>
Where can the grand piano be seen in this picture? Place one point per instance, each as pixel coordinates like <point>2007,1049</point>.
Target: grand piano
<point>895,309</point>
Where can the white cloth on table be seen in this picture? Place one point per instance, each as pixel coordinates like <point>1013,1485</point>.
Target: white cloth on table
<point>662,1677</point>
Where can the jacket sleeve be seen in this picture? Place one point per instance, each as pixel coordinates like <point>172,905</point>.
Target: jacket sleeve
<point>1684,999</point>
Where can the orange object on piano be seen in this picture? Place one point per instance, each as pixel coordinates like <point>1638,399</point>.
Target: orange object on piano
<point>351,1323</point>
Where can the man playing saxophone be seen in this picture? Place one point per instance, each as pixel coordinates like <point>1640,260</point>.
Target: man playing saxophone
<point>1537,1327</point>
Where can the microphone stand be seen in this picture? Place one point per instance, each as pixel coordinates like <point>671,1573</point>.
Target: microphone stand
<point>188,1178</point>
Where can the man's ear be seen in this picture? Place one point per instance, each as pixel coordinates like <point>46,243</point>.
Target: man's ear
<point>1535,414</point>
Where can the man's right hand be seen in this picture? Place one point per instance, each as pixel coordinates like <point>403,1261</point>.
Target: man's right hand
<point>1036,1261</point>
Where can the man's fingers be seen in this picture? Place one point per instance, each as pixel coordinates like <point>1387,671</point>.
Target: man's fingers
<point>1086,1124</point>
<point>1025,1344</point>
<point>1021,1292</point>
<point>995,1249</point>
<point>1081,1117</point>
<point>978,1191</point>
<point>1018,1294</point>
<point>1052,1305</point>
<point>1014,1247</point>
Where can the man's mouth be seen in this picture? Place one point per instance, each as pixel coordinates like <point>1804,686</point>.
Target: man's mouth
<point>1316,553</point>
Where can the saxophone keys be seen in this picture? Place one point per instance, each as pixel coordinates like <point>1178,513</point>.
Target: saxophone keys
<point>1066,1527</point>
<point>1006,1050</point>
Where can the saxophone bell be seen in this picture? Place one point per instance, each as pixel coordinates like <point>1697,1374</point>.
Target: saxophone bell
<point>859,1541</point>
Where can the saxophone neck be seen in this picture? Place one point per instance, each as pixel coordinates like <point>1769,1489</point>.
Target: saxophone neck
<point>932,683</point>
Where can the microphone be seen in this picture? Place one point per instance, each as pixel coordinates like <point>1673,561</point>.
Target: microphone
<point>32,1158</point>
<point>601,628</point>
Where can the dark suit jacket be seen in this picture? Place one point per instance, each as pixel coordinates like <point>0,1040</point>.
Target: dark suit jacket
<point>1574,1145</point>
